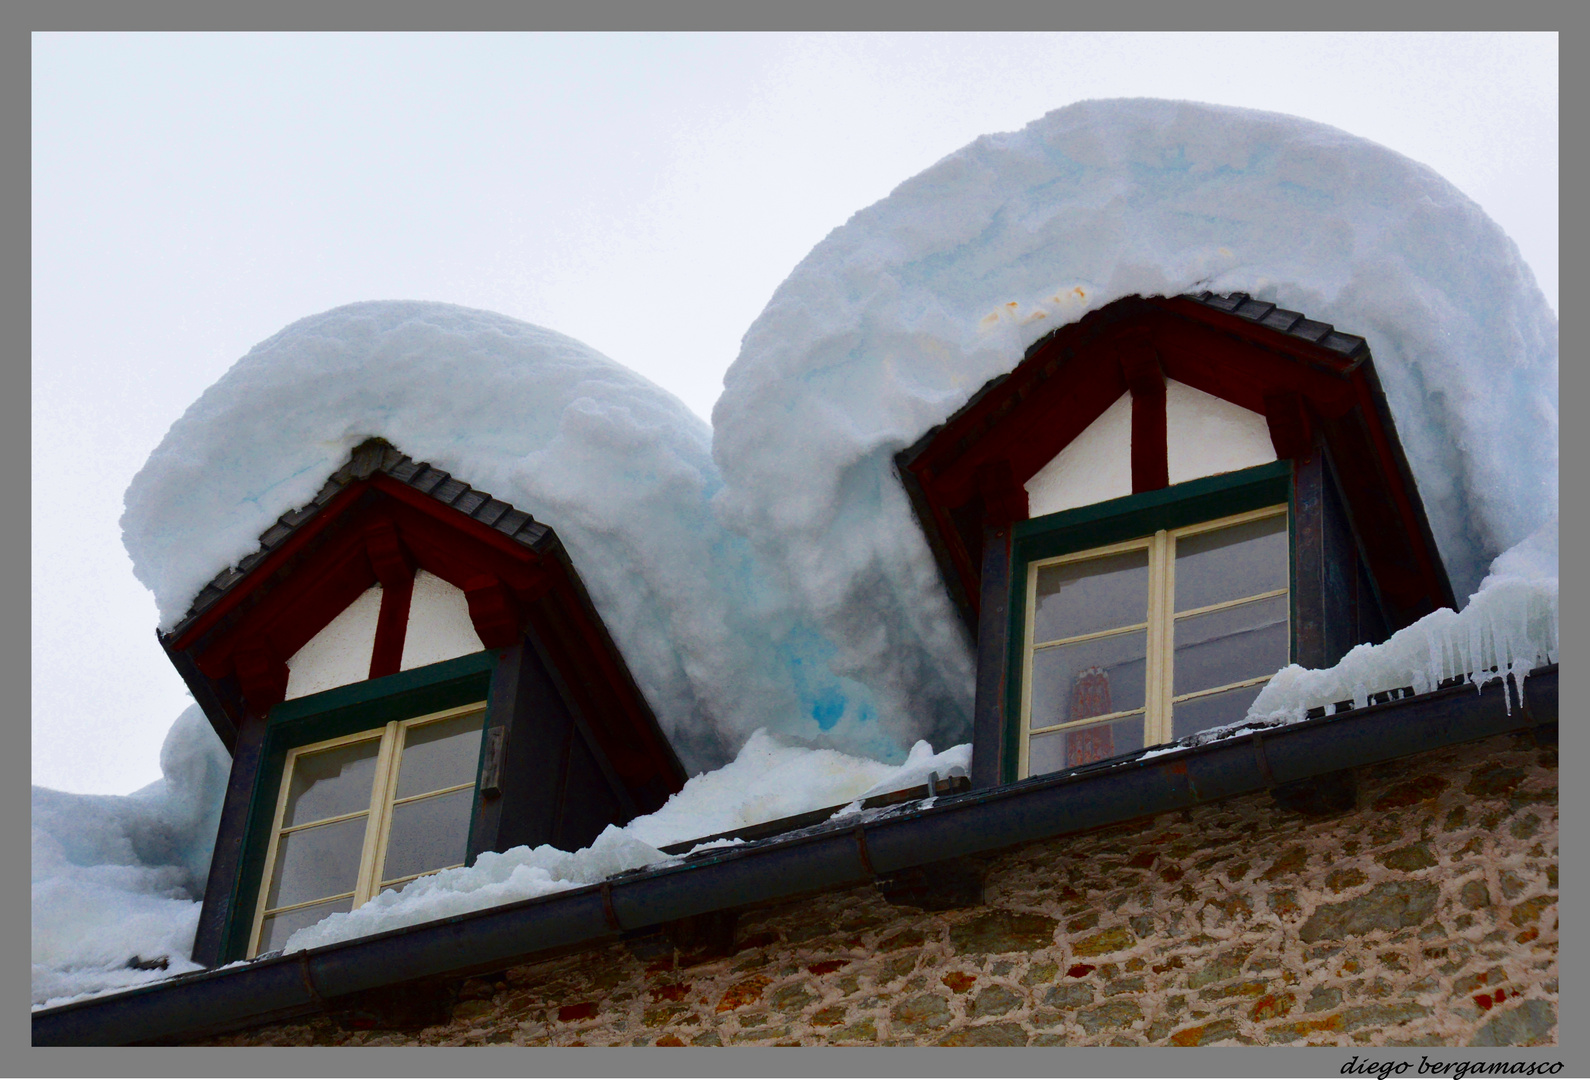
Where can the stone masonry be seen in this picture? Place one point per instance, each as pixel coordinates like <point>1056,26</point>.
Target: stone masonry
<point>1427,915</point>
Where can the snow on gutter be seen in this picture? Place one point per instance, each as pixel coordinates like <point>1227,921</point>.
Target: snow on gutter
<point>848,851</point>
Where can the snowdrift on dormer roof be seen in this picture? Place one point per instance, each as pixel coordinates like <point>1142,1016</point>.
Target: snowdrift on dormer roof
<point>617,466</point>
<point>901,314</point>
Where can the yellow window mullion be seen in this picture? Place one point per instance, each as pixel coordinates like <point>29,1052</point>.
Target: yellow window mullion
<point>1161,639</point>
<point>1152,659</point>
<point>375,834</point>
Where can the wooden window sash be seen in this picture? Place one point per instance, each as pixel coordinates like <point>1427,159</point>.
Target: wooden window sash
<point>372,855</point>
<point>1159,676</point>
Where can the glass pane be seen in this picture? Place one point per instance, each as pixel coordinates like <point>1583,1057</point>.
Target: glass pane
<point>1056,750</point>
<point>276,929</point>
<point>440,754</point>
<point>322,860</point>
<point>1231,563</point>
<point>332,782</point>
<point>1231,644</point>
<point>1203,713</point>
<point>428,834</point>
<point>1095,594</point>
<point>1089,678</point>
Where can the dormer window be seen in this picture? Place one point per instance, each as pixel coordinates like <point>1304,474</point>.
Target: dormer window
<point>407,673</point>
<point>1161,506</point>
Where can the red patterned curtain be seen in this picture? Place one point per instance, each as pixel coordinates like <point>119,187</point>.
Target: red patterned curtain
<point>1090,696</point>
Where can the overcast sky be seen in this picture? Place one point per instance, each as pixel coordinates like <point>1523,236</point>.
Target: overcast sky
<point>192,195</point>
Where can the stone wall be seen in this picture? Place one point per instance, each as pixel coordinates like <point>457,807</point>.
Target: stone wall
<point>1427,915</point>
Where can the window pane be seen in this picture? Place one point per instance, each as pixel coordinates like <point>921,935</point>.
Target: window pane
<point>332,782</point>
<point>1095,594</point>
<point>440,754</point>
<point>1089,678</point>
<point>428,834</point>
<point>1231,644</point>
<point>322,860</point>
<point>1056,750</point>
<point>1231,563</point>
<point>276,929</point>
<point>1202,713</point>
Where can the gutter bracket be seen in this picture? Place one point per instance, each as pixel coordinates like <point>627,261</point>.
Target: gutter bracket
<point>861,849</point>
<point>1263,760</point>
<point>308,979</point>
<point>607,908</point>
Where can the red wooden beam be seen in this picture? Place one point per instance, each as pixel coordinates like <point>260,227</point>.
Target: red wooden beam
<point>1150,453</point>
<point>395,570</point>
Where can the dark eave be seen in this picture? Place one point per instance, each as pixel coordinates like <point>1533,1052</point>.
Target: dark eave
<point>843,853</point>
<point>368,458</point>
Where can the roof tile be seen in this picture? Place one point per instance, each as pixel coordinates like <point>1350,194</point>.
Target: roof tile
<point>1309,330</point>
<point>294,518</point>
<point>405,470</point>
<point>449,491</point>
<point>275,535</point>
<point>530,533</point>
<point>428,480</point>
<point>470,500</point>
<point>509,523</point>
<point>1254,310</point>
<point>491,511</point>
<point>1346,344</point>
<point>1282,320</point>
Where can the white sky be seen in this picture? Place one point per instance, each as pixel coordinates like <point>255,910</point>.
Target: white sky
<point>192,195</point>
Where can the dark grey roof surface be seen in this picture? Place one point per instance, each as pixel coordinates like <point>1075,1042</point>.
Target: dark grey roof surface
<point>1292,323</point>
<point>368,458</point>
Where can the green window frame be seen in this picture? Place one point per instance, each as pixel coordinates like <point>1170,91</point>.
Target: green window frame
<point>1150,524</point>
<point>384,709</point>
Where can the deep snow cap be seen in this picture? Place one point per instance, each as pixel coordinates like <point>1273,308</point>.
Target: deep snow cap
<point>900,315</point>
<point>619,467</point>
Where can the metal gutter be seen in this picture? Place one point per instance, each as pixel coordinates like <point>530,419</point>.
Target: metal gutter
<point>836,854</point>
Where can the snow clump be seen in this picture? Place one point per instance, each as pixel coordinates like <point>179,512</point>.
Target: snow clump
<point>119,877</point>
